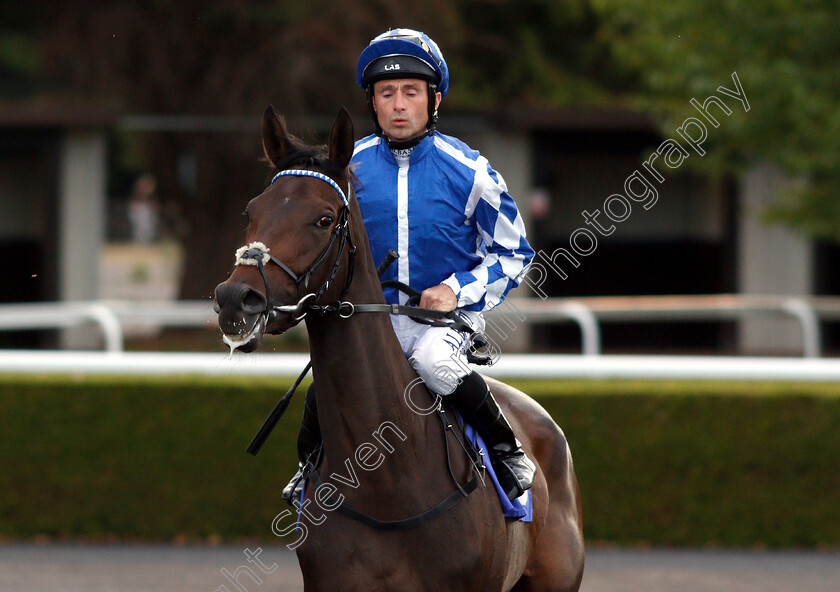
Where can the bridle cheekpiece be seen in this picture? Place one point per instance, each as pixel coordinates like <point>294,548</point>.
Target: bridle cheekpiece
<point>258,255</point>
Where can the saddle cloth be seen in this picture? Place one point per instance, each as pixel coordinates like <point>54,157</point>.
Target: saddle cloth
<point>521,508</point>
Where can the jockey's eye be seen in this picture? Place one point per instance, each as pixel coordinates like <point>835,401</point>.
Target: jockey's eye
<point>325,221</point>
<point>245,213</point>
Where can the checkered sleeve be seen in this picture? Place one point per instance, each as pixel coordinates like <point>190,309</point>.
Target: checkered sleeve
<point>503,246</point>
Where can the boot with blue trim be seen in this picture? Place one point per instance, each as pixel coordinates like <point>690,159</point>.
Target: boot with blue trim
<point>309,439</point>
<point>474,401</point>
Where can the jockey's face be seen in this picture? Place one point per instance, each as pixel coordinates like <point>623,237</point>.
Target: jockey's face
<point>402,107</point>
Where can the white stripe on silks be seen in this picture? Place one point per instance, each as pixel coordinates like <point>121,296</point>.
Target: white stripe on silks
<point>479,166</point>
<point>493,192</point>
<point>512,266</point>
<point>475,195</point>
<point>473,291</point>
<point>495,291</point>
<point>481,273</point>
<point>476,165</point>
<point>402,228</point>
<point>364,146</point>
<point>508,233</point>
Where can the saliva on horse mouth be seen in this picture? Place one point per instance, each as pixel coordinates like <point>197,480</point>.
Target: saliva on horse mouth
<point>236,342</point>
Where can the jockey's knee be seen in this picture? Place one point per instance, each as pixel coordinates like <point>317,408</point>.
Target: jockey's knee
<point>441,375</point>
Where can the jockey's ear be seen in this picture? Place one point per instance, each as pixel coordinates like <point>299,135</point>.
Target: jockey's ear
<point>341,139</point>
<point>276,143</point>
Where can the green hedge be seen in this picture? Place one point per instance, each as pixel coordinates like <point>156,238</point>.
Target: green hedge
<point>662,463</point>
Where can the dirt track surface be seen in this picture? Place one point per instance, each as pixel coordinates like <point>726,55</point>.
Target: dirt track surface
<point>162,568</point>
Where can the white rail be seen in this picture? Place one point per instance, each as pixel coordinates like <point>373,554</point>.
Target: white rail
<point>590,312</point>
<point>63,315</point>
<point>509,366</point>
<point>110,316</point>
<point>587,313</point>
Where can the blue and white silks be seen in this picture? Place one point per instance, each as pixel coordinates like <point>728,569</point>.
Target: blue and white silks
<point>447,213</point>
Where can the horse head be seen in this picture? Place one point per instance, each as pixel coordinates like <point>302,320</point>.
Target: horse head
<point>298,242</point>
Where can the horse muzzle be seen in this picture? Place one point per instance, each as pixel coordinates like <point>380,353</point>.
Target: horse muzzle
<point>242,315</point>
<point>245,315</point>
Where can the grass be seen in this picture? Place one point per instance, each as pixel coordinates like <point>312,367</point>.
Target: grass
<point>659,462</point>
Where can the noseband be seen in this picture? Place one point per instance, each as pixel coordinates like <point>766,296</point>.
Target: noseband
<point>257,254</point>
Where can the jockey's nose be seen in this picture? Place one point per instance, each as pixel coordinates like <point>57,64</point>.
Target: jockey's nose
<point>239,297</point>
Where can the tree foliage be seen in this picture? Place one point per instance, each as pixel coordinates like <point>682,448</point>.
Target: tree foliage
<point>532,53</point>
<point>784,52</point>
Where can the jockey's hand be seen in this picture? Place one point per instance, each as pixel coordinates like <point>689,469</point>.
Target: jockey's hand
<point>440,297</point>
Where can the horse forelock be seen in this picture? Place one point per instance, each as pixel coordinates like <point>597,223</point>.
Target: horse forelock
<point>313,158</point>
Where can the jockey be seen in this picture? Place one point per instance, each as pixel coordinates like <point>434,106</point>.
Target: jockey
<point>459,235</point>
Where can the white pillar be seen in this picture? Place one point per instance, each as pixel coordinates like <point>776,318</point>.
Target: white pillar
<point>81,222</point>
<point>771,260</point>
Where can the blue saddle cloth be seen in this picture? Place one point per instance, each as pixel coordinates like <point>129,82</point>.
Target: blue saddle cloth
<point>520,508</point>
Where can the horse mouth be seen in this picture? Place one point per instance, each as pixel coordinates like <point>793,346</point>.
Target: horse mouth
<point>250,340</point>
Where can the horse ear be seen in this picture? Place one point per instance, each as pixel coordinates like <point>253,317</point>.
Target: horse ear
<point>341,139</point>
<point>276,143</point>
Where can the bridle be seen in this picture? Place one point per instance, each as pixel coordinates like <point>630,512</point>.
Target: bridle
<point>257,254</point>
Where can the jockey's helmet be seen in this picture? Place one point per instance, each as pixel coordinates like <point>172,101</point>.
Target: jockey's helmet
<point>403,53</point>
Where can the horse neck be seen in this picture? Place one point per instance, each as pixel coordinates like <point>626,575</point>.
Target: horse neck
<point>360,371</point>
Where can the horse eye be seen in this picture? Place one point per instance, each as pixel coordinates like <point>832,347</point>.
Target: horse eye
<point>325,221</point>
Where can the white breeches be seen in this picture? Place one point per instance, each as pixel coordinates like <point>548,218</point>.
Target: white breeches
<point>437,354</point>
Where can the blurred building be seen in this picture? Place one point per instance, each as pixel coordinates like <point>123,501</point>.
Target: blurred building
<point>699,237</point>
<point>52,197</point>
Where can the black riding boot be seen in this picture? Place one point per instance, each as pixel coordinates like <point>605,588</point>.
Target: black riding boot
<point>473,399</point>
<point>309,439</point>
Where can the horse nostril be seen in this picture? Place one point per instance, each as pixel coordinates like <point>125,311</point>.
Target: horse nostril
<point>239,297</point>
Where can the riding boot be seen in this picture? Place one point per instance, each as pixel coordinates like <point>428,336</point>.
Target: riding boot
<point>309,439</point>
<point>473,399</point>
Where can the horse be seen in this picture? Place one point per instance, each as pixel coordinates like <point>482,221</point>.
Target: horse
<point>306,230</point>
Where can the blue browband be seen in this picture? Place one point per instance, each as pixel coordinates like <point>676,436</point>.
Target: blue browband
<point>317,175</point>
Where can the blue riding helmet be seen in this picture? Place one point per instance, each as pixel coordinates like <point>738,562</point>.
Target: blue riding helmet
<point>403,53</point>
<point>404,42</point>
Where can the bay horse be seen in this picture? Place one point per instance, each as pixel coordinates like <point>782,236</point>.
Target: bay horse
<point>305,234</point>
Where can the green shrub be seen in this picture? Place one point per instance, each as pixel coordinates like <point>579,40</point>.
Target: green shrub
<point>661,463</point>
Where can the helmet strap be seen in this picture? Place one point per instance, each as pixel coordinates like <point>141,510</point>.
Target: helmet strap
<point>433,112</point>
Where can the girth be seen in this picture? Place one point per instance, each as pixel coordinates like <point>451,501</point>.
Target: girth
<point>310,471</point>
